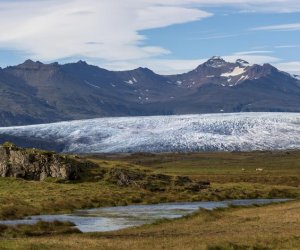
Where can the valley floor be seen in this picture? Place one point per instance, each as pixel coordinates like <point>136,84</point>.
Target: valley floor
<point>232,176</point>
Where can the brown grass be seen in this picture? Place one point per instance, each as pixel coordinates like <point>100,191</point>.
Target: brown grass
<point>268,227</point>
<point>280,179</point>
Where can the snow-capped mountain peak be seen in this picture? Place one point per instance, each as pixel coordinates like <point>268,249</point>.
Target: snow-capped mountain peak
<point>217,71</point>
<point>216,62</point>
<point>242,63</point>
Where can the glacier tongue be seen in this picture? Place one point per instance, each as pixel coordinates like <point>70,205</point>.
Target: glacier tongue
<point>217,132</point>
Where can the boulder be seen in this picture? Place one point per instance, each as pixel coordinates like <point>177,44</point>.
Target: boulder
<point>198,186</point>
<point>182,180</point>
<point>125,177</point>
<point>32,164</point>
<point>152,182</point>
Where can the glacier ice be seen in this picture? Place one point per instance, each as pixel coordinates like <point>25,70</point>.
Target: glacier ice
<point>207,132</point>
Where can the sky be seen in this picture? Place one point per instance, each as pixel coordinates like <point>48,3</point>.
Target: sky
<point>167,36</point>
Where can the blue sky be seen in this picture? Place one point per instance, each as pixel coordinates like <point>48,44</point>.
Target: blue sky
<point>170,36</point>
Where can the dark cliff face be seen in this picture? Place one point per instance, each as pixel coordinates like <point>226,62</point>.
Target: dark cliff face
<point>34,92</point>
<point>32,164</point>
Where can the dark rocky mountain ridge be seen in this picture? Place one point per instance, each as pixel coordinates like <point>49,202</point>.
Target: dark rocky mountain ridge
<point>33,92</point>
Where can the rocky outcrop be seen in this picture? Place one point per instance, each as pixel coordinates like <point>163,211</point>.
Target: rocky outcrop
<point>33,164</point>
<point>124,177</point>
<point>152,182</point>
<point>197,186</point>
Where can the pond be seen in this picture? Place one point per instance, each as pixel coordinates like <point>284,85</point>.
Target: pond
<point>120,217</point>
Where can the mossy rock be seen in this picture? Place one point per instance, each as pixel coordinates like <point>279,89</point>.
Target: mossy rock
<point>9,145</point>
<point>125,177</point>
<point>182,180</point>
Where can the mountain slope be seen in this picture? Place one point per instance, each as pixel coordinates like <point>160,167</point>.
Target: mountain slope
<point>19,103</point>
<point>34,92</point>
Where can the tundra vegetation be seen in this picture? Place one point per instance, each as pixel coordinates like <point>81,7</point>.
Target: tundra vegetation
<point>111,180</point>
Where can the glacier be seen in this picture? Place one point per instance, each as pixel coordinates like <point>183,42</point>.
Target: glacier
<point>184,133</point>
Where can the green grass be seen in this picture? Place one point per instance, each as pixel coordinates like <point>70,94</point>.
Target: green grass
<point>232,176</point>
<point>280,179</point>
<point>279,168</point>
<point>41,228</point>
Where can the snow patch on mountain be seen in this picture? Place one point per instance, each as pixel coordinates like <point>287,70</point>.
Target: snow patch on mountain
<point>129,82</point>
<point>235,72</point>
<point>243,78</point>
<point>216,132</point>
<point>92,85</point>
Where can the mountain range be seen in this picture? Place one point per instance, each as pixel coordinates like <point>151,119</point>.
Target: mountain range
<point>33,92</point>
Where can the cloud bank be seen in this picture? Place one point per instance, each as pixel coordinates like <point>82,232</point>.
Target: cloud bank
<point>108,31</point>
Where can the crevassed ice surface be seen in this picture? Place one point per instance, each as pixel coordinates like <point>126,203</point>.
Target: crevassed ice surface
<point>219,132</point>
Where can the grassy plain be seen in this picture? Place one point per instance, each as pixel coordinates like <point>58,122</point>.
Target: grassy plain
<point>279,167</point>
<point>256,228</point>
<point>232,176</point>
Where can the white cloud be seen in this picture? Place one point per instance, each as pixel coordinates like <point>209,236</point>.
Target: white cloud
<point>282,27</point>
<point>106,29</point>
<point>278,6</point>
<point>286,46</point>
<point>254,52</point>
<point>291,67</point>
<point>253,59</point>
<point>160,66</point>
<point>210,37</point>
